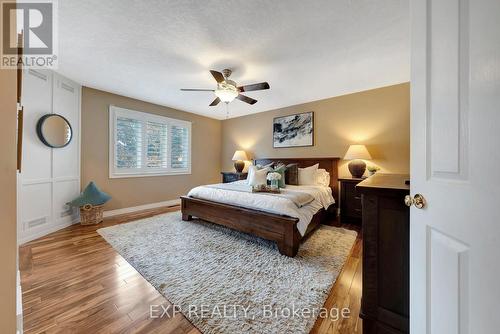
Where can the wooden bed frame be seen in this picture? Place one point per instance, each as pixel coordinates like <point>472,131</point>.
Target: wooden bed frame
<point>279,228</point>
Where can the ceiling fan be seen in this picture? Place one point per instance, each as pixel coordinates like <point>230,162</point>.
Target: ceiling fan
<point>227,90</point>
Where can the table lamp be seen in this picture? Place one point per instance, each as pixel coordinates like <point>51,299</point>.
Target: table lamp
<point>238,158</point>
<point>357,166</point>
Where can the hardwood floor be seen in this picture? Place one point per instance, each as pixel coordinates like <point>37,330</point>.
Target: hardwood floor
<point>73,281</point>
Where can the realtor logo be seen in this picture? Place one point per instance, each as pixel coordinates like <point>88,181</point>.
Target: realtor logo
<point>29,34</point>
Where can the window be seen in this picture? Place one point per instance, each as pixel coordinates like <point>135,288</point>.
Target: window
<point>143,144</point>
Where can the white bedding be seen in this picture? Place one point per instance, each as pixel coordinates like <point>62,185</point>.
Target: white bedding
<point>267,202</point>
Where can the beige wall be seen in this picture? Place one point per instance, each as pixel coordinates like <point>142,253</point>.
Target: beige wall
<point>8,235</point>
<point>378,118</point>
<point>128,192</point>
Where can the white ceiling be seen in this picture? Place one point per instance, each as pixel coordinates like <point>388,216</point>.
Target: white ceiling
<point>306,50</point>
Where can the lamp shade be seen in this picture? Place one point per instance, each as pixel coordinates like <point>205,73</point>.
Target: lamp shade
<point>357,152</point>
<point>239,155</point>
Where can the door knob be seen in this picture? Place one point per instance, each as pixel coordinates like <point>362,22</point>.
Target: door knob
<point>418,201</point>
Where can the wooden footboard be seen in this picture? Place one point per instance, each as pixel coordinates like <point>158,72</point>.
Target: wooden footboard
<point>281,229</point>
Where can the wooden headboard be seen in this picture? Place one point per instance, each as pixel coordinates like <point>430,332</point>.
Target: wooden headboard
<point>329,164</point>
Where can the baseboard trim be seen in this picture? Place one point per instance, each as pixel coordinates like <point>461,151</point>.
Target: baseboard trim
<point>35,235</point>
<point>122,211</point>
<point>19,304</point>
<point>22,239</point>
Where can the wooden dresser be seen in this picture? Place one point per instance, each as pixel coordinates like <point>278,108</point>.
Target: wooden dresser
<point>386,255</point>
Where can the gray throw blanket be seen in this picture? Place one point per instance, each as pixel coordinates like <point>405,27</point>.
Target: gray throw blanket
<point>299,198</point>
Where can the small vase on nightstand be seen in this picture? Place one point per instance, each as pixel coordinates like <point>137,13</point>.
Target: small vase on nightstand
<point>372,170</point>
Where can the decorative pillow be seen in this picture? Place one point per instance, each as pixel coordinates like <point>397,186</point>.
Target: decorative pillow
<point>281,169</point>
<point>252,168</point>
<point>91,195</point>
<point>257,176</point>
<point>322,177</point>
<point>307,176</point>
<point>292,174</point>
<point>279,165</point>
<point>269,165</point>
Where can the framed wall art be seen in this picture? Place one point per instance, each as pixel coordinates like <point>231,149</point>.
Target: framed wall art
<point>294,130</point>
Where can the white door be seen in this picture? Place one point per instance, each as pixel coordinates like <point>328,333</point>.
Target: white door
<point>455,162</point>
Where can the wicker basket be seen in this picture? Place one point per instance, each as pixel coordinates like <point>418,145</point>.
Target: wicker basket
<point>91,214</point>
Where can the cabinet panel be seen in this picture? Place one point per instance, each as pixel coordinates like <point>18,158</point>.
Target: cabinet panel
<point>63,192</point>
<point>393,254</point>
<point>386,239</point>
<point>66,103</point>
<point>50,176</point>
<point>35,206</point>
<point>37,101</point>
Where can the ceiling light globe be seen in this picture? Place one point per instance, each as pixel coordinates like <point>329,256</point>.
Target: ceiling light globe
<point>226,92</point>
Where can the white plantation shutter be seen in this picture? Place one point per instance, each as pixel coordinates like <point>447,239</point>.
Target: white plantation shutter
<point>143,144</point>
<point>156,153</point>
<point>179,154</point>
<point>128,145</point>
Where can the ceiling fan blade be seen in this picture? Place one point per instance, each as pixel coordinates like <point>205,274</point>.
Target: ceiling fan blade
<point>257,86</point>
<point>217,76</point>
<point>246,99</point>
<point>214,102</point>
<point>196,90</point>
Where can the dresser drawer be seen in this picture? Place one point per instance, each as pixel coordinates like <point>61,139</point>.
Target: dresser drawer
<point>231,176</point>
<point>352,212</point>
<point>350,191</point>
<point>350,202</point>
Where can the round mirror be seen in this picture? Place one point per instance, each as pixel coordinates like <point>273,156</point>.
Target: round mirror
<point>54,130</point>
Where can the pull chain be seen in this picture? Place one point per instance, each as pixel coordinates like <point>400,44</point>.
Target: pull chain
<point>227,110</point>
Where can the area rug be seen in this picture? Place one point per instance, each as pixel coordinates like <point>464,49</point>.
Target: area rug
<point>225,281</point>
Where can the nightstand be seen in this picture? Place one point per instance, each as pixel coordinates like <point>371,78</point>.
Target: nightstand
<point>233,176</point>
<point>350,201</point>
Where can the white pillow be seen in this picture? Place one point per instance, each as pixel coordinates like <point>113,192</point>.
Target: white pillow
<point>251,171</point>
<point>256,176</point>
<point>307,176</point>
<point>322,177</point>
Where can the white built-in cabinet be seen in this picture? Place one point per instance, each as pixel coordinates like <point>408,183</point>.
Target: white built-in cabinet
<point>50,177</point>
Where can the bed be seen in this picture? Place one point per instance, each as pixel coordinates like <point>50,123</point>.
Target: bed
<point>286,230</point>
